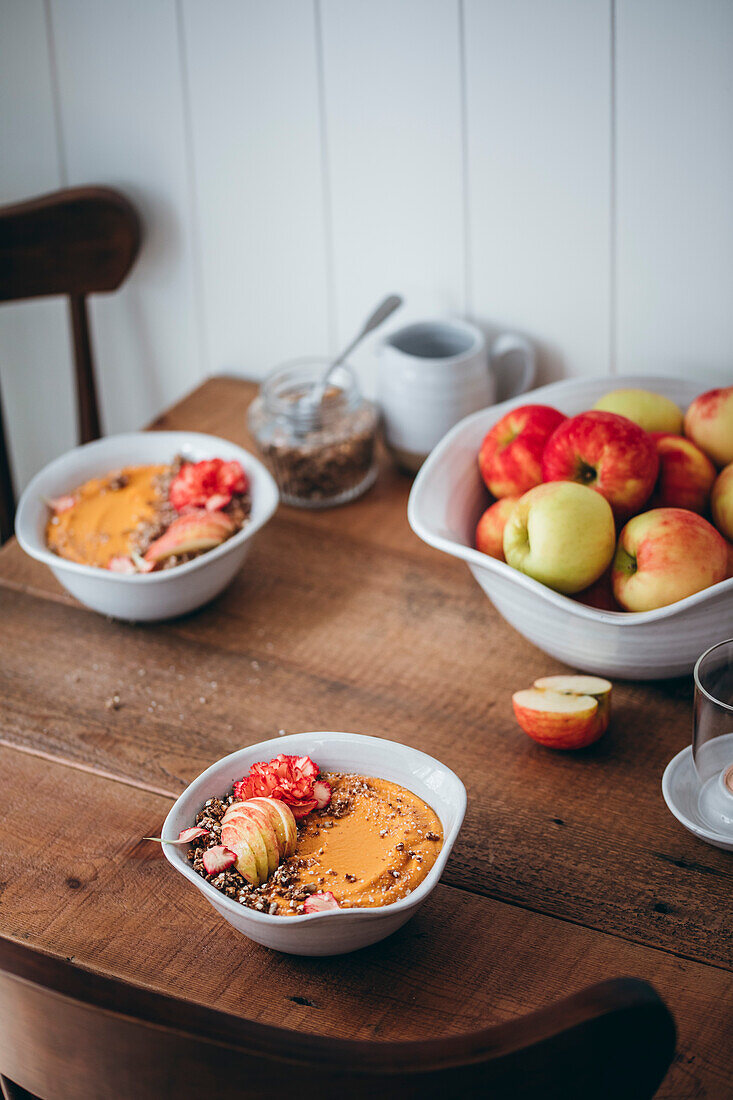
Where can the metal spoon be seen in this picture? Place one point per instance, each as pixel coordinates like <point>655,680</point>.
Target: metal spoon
<point>380,315</point>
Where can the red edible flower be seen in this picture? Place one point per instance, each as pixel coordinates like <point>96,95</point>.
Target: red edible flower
<point>289,778</point>
<point>210,484</point>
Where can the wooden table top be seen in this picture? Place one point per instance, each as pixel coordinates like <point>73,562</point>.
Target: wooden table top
<point>569,868</point>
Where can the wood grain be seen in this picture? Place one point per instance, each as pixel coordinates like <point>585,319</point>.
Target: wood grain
<point>584,836</point>
<point>326,628</point>
<point>110,902</point>
<point>569,866</point>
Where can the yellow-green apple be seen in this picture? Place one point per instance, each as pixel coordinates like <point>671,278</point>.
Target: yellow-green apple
<point>199,530</point>
<point>556,719</point>
<point>600,594</point>
<point>595,686</point>
<point>665,555</point>
<point>606,452</point>
<point>709,423</point>
<point>651,411</point>
<point>238,829</point>
<point>686,475</point>
<point>490,528</point>
<point>510,459</point>
<point>283,822</point>
<point>721,502</point>
<point>562,534</point>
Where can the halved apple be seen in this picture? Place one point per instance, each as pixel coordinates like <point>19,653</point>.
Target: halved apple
<point>242,827</point>
<point>267,832</point>
<point>595,686</point>
<point>558,720</point>
<point>283,822</point>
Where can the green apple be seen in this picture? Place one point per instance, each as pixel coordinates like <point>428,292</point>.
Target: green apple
<point>650,411</point>
<point>562,534</point>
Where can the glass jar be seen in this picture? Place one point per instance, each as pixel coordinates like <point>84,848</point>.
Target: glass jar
<point>320,454</point>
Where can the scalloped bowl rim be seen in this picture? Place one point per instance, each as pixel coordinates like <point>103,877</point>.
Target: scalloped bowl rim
<point>289,742</point>
<point>262,510</point>
<point>478,560</point>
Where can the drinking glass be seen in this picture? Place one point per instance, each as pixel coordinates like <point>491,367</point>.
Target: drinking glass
<point>712,745</point>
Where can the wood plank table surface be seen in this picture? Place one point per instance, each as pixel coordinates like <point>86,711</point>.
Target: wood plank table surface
<point>569,868</point>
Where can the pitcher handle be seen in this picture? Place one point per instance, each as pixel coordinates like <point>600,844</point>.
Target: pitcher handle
<point>505,343</point>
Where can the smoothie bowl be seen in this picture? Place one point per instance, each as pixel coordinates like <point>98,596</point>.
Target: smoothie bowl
<point>317,843</point>
<point>147,525</point>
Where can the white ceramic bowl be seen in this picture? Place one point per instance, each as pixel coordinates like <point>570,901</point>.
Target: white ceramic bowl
<point>151,596</point>
<point>337,931</point>
<point>448,498</point>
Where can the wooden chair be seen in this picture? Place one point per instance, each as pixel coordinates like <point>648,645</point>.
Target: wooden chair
<point>68,1034</point>
<point>76,242</point>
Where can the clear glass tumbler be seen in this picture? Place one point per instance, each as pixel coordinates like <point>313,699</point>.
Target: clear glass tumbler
<point>712,744</point>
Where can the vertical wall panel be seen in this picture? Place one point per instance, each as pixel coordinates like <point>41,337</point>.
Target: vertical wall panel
<point>538,91</point>
<point>35,352</point>
<point>394,153</point>
<point>123,124</point>
<point>675,186</point>
<point>253,84</point>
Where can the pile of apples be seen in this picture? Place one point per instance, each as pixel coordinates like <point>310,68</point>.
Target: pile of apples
<point>626,507</point>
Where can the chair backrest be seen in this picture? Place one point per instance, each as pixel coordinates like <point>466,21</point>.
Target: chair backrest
<point>76,242</point>
<point>66,1034</point>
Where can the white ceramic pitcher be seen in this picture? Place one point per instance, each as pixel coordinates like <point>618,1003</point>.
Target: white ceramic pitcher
<point>432,374</point>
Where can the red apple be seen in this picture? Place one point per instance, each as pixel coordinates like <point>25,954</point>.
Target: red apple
<point>510,459</point>
<point>686,475</point>
<point>490,528</point>
<point>600,595</point>
<point>709,423</point>
<point>665,555</point>
<point>721,502</point>
<point>608,453</point>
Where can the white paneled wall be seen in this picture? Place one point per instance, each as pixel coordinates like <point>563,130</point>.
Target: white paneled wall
<point>563,167</point>
<point>675,186</point>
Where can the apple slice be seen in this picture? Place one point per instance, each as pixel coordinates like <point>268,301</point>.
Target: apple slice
<point>246,863</point>
<point>199,530</point>
<point>283,823</point>
<point>595,686</point>
<point>558,720</point>
<point>242,827</point>
<point>267,832</point>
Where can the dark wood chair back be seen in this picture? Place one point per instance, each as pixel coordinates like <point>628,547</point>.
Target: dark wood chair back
<point>76,242</point>
<point>66,1034</point>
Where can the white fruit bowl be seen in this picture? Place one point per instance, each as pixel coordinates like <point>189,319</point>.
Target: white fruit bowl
<point>331,932</point>
<point>142,597</point>
<point>449,496</point>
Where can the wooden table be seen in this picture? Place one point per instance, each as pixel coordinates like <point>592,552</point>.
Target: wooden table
<point>569,868</point>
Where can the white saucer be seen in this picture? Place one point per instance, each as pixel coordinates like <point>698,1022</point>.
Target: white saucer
<point>681,790</point>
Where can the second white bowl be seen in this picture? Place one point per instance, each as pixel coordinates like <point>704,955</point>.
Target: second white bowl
<point>142,597</point>
<point>332,932</point>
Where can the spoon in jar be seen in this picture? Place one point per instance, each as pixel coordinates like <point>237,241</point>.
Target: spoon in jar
<point>309,402</point>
